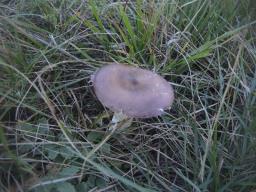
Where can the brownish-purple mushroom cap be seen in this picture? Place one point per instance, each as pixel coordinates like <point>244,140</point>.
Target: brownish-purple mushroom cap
<point>133,91</point>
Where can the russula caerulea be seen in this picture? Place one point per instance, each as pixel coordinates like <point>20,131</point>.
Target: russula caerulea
<point>133,91</point>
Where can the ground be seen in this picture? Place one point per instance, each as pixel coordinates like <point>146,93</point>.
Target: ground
<point>54,132</point>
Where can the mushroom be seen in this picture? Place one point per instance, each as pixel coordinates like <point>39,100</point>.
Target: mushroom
<point>132,91</point>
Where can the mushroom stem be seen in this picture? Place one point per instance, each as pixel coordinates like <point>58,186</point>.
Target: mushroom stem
<point>118,117</point>
<point>120,120</point>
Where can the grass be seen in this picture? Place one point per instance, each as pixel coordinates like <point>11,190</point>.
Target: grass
<point>54,132</point>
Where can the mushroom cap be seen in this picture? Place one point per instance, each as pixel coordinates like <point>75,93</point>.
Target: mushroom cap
<point>133,91</point>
